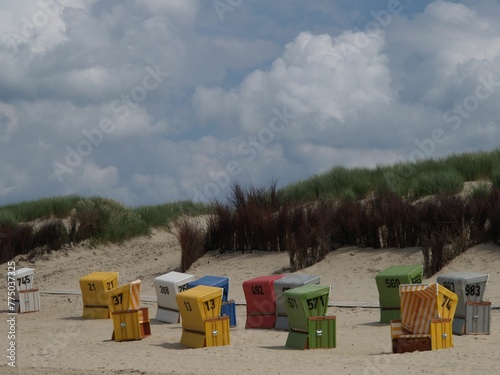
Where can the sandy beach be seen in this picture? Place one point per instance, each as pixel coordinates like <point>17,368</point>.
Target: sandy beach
<point>56,340</point>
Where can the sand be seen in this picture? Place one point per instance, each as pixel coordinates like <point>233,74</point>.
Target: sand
<point>56,340</point>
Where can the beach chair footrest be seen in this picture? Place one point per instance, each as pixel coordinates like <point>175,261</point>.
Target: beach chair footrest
<point>408,345</point>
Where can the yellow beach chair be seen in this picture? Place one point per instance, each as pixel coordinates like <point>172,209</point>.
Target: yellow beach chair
<point>130,321</point>
<point>427,312</point>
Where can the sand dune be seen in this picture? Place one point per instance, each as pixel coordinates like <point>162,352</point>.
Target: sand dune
<point>56,340</point>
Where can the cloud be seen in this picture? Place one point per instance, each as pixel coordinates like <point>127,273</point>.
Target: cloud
<point>434,53</point>
<point>8,122</point>
<point>268,92</point>
<point>363,98</point>
<point>37,26</point>
<point>97,179</point>
<point>180,10</point>
<point>314,78</point>
<point>455,14</point>
<point>328,83</point>
<point>11,180</point>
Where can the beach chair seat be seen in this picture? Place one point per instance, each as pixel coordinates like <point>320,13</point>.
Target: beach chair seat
<point>131,325</point>
<point>320,334</point>
<point>29,301</point>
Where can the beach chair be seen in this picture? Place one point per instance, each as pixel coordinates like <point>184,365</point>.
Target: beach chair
<point>94,287</point>
<point>427,312</point>
<point>388,282</point>
<point>167,286</point>
<point>281,286</point>
<point>202,325</point>
<point>260,301</point>
<point>473,312</point>
<point>228,305</point>
<point>26,298</point>
<point>309,326</point>
<point>130,321</point>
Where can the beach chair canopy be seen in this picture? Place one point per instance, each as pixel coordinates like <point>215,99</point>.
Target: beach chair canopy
<point>420,303</point>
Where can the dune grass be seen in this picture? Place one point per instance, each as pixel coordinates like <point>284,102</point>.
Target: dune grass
<point>94,218</point>
<point>444,227</point>
<point>163,215</point>
<point>107,220</point>
<point>360,206</point>
<point>44,208</point>
<point>409,180</point>
<point>443,182</point>
<point>363,207</point>
<point>495,178</point>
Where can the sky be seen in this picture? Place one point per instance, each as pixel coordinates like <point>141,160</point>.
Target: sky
<point>154,101</point>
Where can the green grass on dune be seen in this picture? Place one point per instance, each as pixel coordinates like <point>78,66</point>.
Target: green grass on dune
<point>164,214</point>
<point>101,219</point>
<point>406,179</point>
<point>495,178</point>
<point>439,182</point>
<point>105,220</point>
<point>26,211</point>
